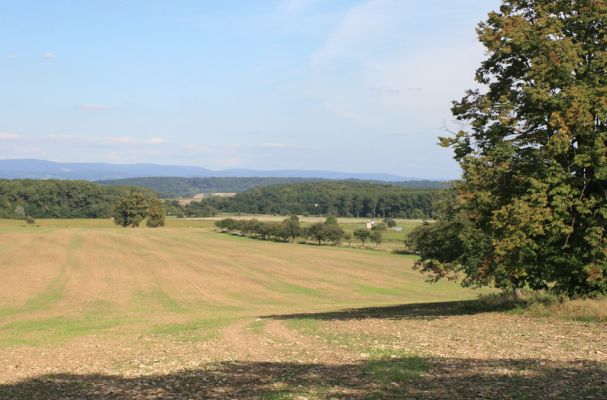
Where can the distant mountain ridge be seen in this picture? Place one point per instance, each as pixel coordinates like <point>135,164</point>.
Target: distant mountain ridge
<point>41,169</point>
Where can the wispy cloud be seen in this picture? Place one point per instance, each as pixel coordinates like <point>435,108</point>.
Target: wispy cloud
<point>11,56</point>
<point>49,55</point>
<point>106,140</point>
<point>294,7</point>
<point>9,136</point>
<point>360,27</point>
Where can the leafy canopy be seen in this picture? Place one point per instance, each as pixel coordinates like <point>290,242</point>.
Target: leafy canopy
<point>531,209</point>
<point>131,210</point>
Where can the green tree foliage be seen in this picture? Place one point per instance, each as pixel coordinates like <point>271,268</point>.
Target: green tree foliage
<point>198,209</point>
<point>390,222</point>
<point>317,232</point>
<point>362,234</point>
<point>156,213</point>
<point>531,209</point>
<point>291,227</point>
<point>381,227</point>
<point>333,233</point>
<point>131,210</point>
<point>347,236</point>
<point>339,198</point>
<point>171,187</point>
<point>331,220</point>
<point>287,230</point>
<point>54,198</point>
<point>377,237</point>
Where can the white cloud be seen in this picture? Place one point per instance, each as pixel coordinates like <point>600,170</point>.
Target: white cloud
<point>49,55</point>
<point>377,73</point>
<point>9,136</point>
<point>106,140</point>
<point>156,141</point>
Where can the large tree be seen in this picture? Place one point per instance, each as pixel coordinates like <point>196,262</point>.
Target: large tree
<point>134,208</point>
<point>531,208</point>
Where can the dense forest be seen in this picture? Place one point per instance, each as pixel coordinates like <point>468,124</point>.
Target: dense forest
<point>58,198</point>
<point>172,187</point>
<point>340,198</point>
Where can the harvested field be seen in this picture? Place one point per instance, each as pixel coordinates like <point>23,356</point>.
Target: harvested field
<point>92,311</point>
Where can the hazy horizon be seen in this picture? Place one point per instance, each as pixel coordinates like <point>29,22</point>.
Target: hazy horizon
<point>353,86</point>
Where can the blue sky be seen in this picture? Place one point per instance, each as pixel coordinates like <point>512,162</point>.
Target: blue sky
<point>360,86</point>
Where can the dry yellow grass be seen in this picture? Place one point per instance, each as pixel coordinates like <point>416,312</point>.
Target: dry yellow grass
<point>88,310</point>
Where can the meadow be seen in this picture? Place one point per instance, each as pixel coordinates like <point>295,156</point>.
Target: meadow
<point>89,310</point>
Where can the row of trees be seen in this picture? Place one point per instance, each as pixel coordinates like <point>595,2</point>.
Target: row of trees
<point>290,229</point>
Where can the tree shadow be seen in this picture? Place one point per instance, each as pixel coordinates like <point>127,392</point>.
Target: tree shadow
<point>403,311</point>
<point>390,378</point>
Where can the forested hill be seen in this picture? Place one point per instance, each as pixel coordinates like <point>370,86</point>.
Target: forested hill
<point>58,198</point>
<point>172,187</point>
<point>342,198</point>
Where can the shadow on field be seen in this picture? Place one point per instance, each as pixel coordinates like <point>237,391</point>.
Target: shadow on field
<point>385,379</point>
<point>404,311</point>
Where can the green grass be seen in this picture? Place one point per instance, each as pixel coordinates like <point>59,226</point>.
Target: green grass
<point>96,318</point>
<point>183,282</point>
<point>387,367</point>
<point>195,330</point>
<point>256,326</point>
<point>157,296</point>
<point>276,395</point>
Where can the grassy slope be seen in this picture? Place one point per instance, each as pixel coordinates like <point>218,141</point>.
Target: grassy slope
<point>63,282</point>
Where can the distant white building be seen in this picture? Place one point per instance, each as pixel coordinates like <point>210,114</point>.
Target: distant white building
<point>370,224</point>
<point>397,229</point>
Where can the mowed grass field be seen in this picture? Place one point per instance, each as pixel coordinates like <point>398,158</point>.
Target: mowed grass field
<point>89,310</point>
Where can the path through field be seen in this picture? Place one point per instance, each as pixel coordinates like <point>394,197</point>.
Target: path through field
<point>189,313</point>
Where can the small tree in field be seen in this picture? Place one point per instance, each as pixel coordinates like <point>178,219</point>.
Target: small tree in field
<point>317,232</point>
<point>348,237</point>
<point>155,213</point>
<point>333,233</point>
<point>331,220</point>
<point>377,237</point>
<point>291,227</point>
<point>134,208</point>
<point>362,234</point>
<point>390,222</point>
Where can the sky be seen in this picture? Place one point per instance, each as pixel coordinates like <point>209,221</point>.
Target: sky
<point>343,85</point>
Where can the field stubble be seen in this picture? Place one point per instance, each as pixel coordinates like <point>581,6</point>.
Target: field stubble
<point>90,312</point>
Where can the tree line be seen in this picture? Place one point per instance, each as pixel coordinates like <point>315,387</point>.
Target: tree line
<point>54,198</point>
<point>289,229</point>
<point>174,187</point>
<point>340,198</point>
